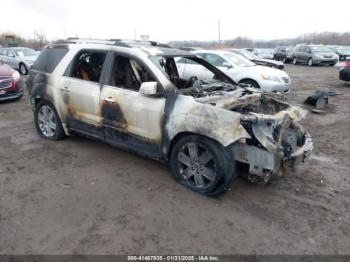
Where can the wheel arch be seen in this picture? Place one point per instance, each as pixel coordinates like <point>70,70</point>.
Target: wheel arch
<point>37,100</point>
<point>250,79</point>
<point>180,135</point>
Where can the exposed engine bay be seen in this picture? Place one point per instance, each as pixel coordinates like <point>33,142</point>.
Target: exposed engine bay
<point>276,140</point>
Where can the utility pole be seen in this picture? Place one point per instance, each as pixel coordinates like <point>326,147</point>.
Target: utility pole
<point>219,31</point>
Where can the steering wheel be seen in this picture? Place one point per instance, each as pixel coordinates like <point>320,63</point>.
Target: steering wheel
<point>190,81</point>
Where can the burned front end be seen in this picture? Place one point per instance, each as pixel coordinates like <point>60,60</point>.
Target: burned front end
<point>277,140</point>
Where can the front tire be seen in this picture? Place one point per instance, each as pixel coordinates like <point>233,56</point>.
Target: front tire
<point>47,121</point>
<point>251,83</point>
<point>295,62</point>
<point>202,164</point>
<point>23,69</point>
<point>310,62</point>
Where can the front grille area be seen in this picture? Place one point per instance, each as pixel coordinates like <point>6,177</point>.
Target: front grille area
<point>5,82</point>
<point>285,79</point>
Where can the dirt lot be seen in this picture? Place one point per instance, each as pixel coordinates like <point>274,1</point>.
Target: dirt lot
<point>78,196</point>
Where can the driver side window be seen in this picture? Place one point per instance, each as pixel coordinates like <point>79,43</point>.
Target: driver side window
<point>129,74</point>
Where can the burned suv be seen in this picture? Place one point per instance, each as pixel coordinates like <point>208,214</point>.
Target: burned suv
<point>129,94</point>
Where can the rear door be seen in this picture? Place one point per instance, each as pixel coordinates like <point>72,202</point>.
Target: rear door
<point>80,92</point>
<point>129,118</point>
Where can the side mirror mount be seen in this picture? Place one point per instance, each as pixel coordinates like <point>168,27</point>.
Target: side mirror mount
<point>227,65</point>
<point>148,88</point>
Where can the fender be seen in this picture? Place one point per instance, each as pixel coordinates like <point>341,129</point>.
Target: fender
<point>219,124</point>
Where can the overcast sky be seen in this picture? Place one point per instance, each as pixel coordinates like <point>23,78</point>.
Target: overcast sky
<point>174,20</point>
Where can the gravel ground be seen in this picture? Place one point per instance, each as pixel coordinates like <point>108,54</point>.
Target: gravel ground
<point>78,196</point>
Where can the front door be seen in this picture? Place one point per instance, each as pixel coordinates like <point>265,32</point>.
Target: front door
<point>132,119</point>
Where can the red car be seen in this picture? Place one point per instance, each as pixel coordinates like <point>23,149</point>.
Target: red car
<point>10,87</point>
<point>344,73</point>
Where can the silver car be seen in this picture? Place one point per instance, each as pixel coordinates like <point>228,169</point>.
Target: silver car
<point>19,58</point>
<point>314,55</point>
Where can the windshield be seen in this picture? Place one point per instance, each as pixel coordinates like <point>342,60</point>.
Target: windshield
<point>248,55</point>
<point>264,51</point>
<point>192,74</point>
<point>318,49</point>
<point>238,60</point>
<point>25,52</point>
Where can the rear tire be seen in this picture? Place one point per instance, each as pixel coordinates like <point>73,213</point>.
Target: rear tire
<point>202,165</point>
<point>47,121</point>
<point>251,83</point>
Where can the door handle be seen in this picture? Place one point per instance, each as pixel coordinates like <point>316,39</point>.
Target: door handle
<point>65,89</point>
<point>108,100</point>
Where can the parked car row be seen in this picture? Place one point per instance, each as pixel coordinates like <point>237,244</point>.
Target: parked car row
<point>305,54</point>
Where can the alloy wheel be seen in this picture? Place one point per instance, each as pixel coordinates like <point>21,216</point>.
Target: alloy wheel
<point>196,165</point>
<point>23,69</point>
<point>47,121</point>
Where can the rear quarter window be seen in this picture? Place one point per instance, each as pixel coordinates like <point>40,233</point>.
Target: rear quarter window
<point>49,59</point>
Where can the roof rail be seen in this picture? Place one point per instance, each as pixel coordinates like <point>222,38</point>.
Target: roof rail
<point>113,41</point>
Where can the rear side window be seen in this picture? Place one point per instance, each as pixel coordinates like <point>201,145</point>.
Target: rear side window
<point>88,66</point>
<point>49,59</point>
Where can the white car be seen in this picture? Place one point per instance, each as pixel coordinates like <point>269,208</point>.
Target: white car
<point>129,94</point>
<point>239,69</point>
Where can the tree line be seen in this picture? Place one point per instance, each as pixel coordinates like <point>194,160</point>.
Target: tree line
<point>326,38</point>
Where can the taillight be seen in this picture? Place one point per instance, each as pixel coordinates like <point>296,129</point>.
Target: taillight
<point>347,64</point>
